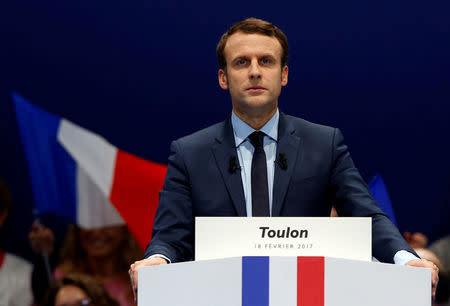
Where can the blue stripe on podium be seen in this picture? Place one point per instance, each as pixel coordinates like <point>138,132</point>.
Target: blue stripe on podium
<point>255,281</point>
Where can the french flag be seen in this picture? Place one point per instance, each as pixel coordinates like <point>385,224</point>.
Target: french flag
<point>303,278</point>
<point>77,174</point>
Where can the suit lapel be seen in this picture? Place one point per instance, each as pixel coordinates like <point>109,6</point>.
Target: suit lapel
<point>289,144</point>
<point>225,148</point>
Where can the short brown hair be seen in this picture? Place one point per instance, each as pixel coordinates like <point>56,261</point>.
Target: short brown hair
<point>253,26</point>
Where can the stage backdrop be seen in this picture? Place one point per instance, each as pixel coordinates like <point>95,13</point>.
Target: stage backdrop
<point>142,73</point>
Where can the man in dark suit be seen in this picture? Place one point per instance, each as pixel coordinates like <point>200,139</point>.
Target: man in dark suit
<point>261,162</point>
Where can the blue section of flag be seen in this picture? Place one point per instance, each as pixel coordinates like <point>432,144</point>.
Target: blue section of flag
<point>255,281</point>
<point>52,169</point>
<point>381,196</point>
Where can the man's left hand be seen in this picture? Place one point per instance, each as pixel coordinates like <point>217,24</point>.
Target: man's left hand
<point>423,263</point>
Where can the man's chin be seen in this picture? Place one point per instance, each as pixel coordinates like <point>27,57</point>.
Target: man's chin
<point>255,107</point>
<point>260,103</point>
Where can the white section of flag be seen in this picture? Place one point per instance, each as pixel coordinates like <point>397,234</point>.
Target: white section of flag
<point>95,159</point>
<point>94,209</point>
<point>92,152</point>
<point>283,270</point>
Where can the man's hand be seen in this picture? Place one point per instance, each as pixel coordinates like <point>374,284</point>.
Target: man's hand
<point>423,263</point>
<point>41,239</point>
<point>154,261</point>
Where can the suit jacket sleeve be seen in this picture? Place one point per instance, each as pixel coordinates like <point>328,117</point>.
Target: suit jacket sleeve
<point>353,198</point>
<point>173,228</point>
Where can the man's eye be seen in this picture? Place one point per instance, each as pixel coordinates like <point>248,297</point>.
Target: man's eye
<point>241,62</point>
<point>266,61</point>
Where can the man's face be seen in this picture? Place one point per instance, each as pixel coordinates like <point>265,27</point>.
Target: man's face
<point>254,74</point>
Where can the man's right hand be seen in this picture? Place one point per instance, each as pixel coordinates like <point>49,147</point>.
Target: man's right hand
<point>154,261</point>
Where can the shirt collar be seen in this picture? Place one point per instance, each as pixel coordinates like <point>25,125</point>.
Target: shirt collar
<point>242,130</point>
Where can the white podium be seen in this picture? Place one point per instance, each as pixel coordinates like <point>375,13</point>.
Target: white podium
<point>283,281</point>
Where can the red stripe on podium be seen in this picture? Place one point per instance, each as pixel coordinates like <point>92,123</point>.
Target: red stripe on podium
<point>310,281</point>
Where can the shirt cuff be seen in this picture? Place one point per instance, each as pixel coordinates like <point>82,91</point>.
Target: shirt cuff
<point>402,257</point>
<point>160,256</point>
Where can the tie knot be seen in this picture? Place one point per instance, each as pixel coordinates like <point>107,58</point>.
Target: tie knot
<point>256,138</point>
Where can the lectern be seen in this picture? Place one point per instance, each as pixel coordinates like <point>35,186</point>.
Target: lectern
<point>283,281</point>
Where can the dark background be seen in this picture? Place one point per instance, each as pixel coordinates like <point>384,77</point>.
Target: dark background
<point>142,73</point>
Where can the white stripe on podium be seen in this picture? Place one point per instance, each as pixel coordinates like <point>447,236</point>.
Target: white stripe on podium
<point>283,281</point>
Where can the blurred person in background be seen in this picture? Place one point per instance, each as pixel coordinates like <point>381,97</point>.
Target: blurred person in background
<point>15,272</point>
<point>77,290</point>
<point>103,253</point>
<point>441,248</point>
<point>416,240</point>
<point>438,253</point>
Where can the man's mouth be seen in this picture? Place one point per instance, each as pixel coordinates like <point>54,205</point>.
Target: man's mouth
<point>256,89</point>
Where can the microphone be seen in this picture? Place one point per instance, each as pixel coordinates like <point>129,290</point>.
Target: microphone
<point>282,161</point>
<point>233,164</point>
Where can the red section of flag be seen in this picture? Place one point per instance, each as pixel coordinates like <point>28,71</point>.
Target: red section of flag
<point>135,193</point>
<point>310,281</point>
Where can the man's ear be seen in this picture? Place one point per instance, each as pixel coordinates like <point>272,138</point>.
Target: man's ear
<point>284,75</point>
<point>223,81</point>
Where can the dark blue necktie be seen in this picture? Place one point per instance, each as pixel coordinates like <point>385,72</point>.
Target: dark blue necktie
<point>260,187</point>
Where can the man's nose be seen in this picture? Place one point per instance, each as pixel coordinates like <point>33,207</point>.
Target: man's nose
<point>255,71</point>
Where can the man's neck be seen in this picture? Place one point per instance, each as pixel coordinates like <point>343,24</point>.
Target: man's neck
<point>257,119</point>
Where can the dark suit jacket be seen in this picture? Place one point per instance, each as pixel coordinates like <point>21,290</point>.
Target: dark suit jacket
<point>320,174</point>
